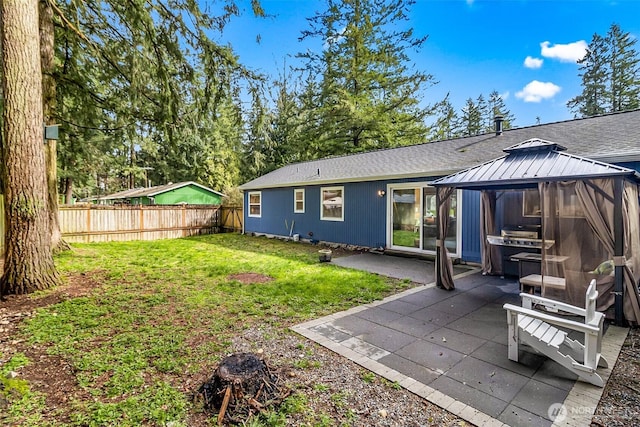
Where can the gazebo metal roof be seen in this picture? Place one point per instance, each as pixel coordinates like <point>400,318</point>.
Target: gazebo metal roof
<point>528,163</point>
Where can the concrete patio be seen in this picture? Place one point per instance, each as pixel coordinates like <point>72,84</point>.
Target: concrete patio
<point>451,349</point>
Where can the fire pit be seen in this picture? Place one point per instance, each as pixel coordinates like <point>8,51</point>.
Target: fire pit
<point>240,387</point>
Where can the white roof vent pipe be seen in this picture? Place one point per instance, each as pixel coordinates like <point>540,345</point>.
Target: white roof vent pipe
<point>497,123</point>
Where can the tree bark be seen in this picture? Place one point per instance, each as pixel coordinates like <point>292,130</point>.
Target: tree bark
<point>68,190</point>
<point>47,46</point>
<point>29,262</point>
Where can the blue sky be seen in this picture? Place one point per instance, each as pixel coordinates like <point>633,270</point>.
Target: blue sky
<point>524,49</point>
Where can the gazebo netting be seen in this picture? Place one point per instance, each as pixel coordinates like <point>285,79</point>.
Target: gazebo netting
<point>589,220</point>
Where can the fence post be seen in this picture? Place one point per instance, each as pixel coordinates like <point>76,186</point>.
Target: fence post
<point>141,222</point>
<point>184,220</point>
<point>89,224</point>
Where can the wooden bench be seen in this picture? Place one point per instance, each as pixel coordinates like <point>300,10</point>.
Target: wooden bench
<point>529,283</point>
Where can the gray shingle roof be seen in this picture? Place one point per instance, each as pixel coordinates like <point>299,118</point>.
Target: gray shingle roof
<point>607,138</point>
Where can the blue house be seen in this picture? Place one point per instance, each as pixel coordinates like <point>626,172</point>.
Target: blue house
<point>384,198</point>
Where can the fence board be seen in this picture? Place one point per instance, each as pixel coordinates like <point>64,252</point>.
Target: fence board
<point>231,218</point>
<point>100,223</point>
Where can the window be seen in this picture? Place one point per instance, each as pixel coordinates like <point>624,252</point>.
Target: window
<point>298,200</point>
<point>331,203</point>
<point>255,204</point>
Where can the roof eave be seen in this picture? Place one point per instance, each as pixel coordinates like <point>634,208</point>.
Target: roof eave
<point>432,175</point>
<point>617,158</point>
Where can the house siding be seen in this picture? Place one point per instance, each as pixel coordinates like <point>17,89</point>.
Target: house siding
<point>471,226</point>
<point>365,220</point>
<point>364,215</point>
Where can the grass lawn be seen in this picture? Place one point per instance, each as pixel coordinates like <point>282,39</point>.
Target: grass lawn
<point>159,315</point>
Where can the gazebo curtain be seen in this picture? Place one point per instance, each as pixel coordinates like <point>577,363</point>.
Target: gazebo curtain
<point>491,259</point>
<point>578,216</point>
<point>631,222</point>
<point>444,266</point>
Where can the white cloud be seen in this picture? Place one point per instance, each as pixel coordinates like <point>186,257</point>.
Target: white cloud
<point>536,91</point>
<point>505,95</point>
<point>470,2</point>
<point>531,62</point>
<point>571,52</point>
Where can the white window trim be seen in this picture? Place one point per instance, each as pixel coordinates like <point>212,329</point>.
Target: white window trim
<point>295,200</point>
<point>249,204</point>
<point>397,186</point>
<point>322,190</point>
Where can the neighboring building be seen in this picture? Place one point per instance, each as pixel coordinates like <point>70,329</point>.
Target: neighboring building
<point>170,194</point>
<point>384,198</point>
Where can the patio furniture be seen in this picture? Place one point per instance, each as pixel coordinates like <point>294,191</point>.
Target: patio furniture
<point>529,283</point>
<point>548,333</point>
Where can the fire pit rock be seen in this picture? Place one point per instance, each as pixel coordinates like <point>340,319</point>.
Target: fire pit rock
<point>241,386</point>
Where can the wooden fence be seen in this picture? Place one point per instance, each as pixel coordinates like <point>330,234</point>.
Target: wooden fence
<point>231,219</point>
<point>102,223</point>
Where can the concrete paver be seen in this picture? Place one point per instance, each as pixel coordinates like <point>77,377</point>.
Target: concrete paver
<point>450,347</point>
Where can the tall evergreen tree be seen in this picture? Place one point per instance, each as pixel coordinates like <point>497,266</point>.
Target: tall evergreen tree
<point>447,121</point>
<point>260,151</point>
<point>29,262</point>
<point>484,111</point>
<point>471,119</point>
<point>624,70</point>
<point>368,91</point>
<point>497,106</point>
<point>594,98</point>
<point>146,75</point>
<point>610,73</point>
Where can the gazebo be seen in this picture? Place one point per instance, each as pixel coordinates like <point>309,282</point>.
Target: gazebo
<point>585,212</point>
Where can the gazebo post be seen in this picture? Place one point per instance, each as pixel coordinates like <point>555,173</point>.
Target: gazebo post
<point>618,242</point>
<point>438,240</point>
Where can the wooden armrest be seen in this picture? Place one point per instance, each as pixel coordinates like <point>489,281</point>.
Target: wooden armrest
<point>554,304</point>
<point>558,321</point>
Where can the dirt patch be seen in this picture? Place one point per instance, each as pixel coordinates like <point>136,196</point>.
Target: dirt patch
<point>250,278</point>
<point>47,374</point>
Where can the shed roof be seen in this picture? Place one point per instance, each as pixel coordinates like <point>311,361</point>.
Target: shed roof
<point>530,162</point>
<point>607,138</point>
<point>154,191</point>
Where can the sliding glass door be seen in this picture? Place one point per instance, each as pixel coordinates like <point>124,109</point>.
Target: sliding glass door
<point>405,217</point>
<point>412,216</point>
<point>429,230</point>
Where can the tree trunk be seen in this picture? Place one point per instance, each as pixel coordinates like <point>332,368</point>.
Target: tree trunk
<point>28,258</point>
<point>68,190</point>
<point>47,40</point>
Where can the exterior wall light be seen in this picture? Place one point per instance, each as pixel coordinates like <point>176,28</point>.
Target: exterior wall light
<point>381,193</point>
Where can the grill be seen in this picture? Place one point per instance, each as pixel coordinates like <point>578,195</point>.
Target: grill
<point>520,236</point>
